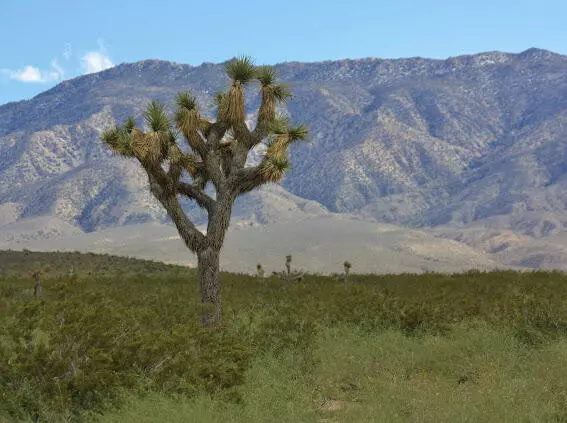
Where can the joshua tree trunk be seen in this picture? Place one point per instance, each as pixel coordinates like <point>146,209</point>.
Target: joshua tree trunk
<point>209,279</point>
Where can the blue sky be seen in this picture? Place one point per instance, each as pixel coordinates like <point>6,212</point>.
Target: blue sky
<point>44,42</point>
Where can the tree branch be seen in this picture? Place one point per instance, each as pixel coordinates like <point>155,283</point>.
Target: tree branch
<point>195,193</point>
<point>227,155</point>
<point>213,137</point>
<point>164,191</point>
<point>261,131</point>
<point>245,180</point>
<point>214,133</point>
<point>199,146</point>
<point>239,157</point>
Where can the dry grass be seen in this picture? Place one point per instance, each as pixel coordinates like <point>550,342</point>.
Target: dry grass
<point>478,374</point>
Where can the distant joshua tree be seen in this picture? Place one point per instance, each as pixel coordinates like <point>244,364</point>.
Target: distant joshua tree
<point>288,275</point>
<point>260,271</point>
<point>288,265</point>
<point>347,267</point>
<point>37,291</point>
<point>218,153</point>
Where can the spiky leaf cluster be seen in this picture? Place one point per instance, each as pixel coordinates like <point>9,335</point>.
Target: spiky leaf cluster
<point>188,120</point>
<point>119,138</point>
<point>266,75</point>
<point>282,126</point>
<point>233,103</point>
<point>282,134</point>
<point>221,104</point>
<point>130,124</point>
<point>241,69</point>
<point>273,168</point>
<point>156,117</point>
<point>271,92</point>
<point>231,107</point>
<point>186,100</point>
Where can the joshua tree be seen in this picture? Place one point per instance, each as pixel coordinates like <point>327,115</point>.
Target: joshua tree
<point>288,266</point>
<point>260,271</point>
<point>37,291</point>
<point>288,275</point>
<point>217,154</point>
<point>347,267</point>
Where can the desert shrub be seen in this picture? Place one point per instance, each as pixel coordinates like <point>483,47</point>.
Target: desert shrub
<point>135,327</point>
<point>78,348</point>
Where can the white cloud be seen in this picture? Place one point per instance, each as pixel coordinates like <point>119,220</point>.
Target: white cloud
<point>91,62</point>
<point>34,74</point>
<point>28,74</point>
<point>95,61</point>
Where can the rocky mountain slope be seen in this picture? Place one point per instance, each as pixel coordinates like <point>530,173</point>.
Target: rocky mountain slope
<point>450,147</point>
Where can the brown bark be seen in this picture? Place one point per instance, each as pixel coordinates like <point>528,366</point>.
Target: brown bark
<point>166,195</point>
<point>209,279</point>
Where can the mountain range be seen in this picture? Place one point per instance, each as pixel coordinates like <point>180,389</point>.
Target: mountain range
<point>457,163</point>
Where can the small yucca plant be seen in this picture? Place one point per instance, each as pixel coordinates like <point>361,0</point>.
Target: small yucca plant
<point>260,271</point>
<point>347,267</point>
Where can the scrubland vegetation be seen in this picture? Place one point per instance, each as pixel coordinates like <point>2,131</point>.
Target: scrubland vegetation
<point>120,340</point>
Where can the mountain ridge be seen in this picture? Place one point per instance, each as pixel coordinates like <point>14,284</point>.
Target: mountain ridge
<point>414,142</point>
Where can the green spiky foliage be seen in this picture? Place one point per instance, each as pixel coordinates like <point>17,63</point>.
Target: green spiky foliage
<point>186,100</point>
<point>234,102</point>
<point>298,133</point>
<point>188,120</point>
<point>273,168</point>
<point>172,137</point>
<point>217,156</point>
<point>119,138</point>
<point>271,93</point>
<point>282,134</point>
<point>156,117</point>
<point>266,75</point>
<point>152,146</point>
<point>241,69</point>
<point>218,99</point>
<point>281,126</point>
<point>221,105</point>
<point>130,124</point>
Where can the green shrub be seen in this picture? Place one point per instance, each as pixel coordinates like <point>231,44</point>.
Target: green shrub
<point>134,327</point>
